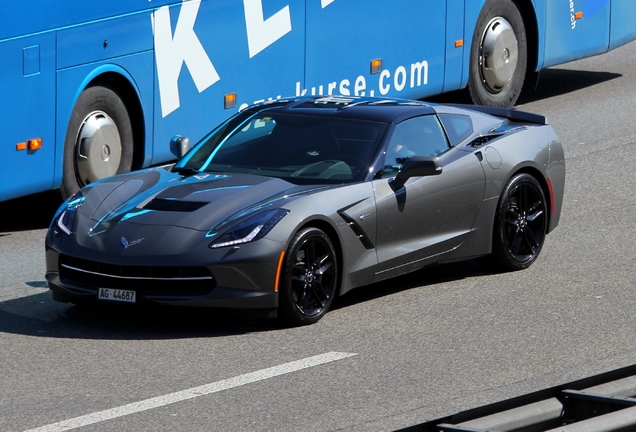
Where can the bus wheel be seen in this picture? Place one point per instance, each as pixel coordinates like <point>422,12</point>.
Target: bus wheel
<point>498,55</point>
<point>99,139</point>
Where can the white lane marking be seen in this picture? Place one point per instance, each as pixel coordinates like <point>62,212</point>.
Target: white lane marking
<point>192,393</point>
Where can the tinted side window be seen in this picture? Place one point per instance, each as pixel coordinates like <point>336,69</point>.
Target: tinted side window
<point>419,136</point>
<point>458,127</point>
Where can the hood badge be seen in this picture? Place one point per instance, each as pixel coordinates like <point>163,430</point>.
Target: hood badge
<point>127,244</point>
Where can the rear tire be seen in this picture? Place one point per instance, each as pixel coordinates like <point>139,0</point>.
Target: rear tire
<point>498,55</point>
<point>310,278</point>
<point>520,225</point>
<point>99,139</point>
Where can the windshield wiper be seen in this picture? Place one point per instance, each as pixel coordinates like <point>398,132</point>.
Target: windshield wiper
<point>187,171</point>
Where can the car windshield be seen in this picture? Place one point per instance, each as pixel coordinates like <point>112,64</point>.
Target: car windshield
<point>301,149</point>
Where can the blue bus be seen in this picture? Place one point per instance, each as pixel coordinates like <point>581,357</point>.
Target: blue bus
<point>93,88</point>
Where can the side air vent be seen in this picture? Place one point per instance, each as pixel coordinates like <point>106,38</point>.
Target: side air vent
<point>357,230</point>
<point>481,140</point>
<point>174,205</point>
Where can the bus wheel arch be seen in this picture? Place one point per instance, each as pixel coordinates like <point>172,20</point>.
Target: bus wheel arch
<point>499,55</point>
<point>529,15</point>
<point>104,135</point>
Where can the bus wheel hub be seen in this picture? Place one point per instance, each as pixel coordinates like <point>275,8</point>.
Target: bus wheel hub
<point>98,147</point>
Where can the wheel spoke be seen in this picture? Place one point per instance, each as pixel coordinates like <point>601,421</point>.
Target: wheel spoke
<point>304,301</point>
<point>515,243</point>
<point>325,266</point>
<point>512,217</point>
<point>530,241</point>
<point>320,294</point>
<point>310,250</point>
<point>298,272</point>
<point>522,193</point>
<point>535,214</point>
<point>512,223</point>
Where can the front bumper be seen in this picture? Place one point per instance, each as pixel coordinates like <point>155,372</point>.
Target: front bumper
<point>236,278</point>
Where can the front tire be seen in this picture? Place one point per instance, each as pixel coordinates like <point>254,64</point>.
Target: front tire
<point>99,139</point>
<point>521,222</point>
<point>310,278</point>
<point>498,55</point>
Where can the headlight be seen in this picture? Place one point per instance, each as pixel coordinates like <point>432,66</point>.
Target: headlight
<point>68,212</point>
<point>250,229</point>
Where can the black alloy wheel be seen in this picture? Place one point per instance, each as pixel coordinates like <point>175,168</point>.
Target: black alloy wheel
<point>520,223</point>
<point>311,277</point>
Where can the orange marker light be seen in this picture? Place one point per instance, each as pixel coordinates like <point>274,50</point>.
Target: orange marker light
<point>551,197</point>
<point>459,43</point>
<point>229,101</point>
<point>376,66</point>
<point>21,146</point>
<point>34,144</point>
<point>578,15</point>
<point>278,270</point>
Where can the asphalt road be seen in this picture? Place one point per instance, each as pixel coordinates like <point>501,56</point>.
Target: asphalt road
<point>439,341</point>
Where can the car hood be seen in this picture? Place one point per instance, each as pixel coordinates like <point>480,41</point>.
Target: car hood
<point>198,202</point>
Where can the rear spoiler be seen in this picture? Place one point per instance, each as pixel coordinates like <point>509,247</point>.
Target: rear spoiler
<point>509,113</point>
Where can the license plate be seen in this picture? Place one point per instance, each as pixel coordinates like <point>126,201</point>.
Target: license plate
<point>116,295</point>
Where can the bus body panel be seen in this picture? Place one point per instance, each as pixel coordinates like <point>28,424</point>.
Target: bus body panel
<point>25,17</point>
<point>569,37</point>
<point>455,46</point>
<point>538,19</point>
<point>231,58</point>
<point>412,52</point>
<point>103,40</point>
<point>27,112</point>
<point>623,25</point>
<point>472,8</point>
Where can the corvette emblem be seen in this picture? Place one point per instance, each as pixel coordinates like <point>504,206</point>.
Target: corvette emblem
<point>127,244</point>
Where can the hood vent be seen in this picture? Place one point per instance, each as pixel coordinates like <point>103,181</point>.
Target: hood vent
<point>174,205</point>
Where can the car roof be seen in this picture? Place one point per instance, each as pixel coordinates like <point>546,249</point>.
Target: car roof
<point>349,107</point>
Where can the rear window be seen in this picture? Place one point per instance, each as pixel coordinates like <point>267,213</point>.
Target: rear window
<point>458,127</point>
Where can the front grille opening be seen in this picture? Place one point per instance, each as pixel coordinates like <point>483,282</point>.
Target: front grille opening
<point>145,280</point>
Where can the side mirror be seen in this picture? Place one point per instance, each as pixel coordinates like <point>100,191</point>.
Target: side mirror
<point>417,166</point>
<point>179,146</point>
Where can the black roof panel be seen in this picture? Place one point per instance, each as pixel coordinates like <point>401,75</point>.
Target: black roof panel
<point>365,108</point>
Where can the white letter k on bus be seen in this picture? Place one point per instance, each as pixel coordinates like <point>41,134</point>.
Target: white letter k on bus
<point>171,51</point>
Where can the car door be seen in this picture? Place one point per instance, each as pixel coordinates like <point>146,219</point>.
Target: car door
<point>430,215</point>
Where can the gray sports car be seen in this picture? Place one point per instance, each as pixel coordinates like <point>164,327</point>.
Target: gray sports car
<point>290,203</point>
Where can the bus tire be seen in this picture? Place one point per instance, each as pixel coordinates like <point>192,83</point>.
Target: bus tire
<point>498,55</point>
<point>99,139</point>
